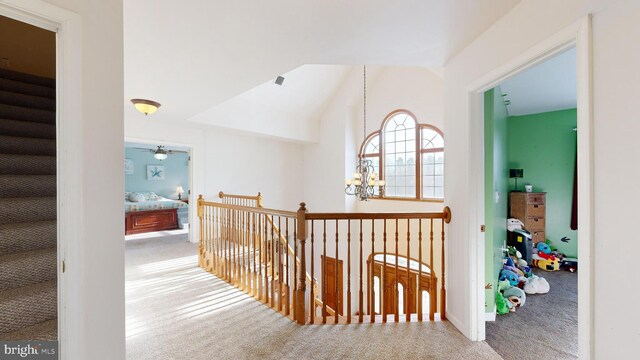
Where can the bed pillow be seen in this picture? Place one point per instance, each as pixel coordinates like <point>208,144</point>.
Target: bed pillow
<point>150,196</point>
<point>136,197</point>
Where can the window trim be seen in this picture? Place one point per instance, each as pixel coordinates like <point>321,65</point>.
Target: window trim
<point>419,151</point>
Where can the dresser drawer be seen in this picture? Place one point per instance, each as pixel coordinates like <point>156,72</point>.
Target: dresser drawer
<point>532,224</point>
<point>538,236</point>
<point>535,198</point>
<point>536,211</point>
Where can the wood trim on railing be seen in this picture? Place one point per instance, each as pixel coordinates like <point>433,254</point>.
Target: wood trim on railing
<point>375,216</point>
<point>262,211</point>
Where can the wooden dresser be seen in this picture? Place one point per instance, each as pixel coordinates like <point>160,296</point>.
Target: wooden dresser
<point>530,209</point>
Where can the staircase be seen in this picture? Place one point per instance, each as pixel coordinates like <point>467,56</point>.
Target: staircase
<point>28,285</point>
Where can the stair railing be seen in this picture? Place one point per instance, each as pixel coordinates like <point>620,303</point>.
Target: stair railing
<point>248,246</point>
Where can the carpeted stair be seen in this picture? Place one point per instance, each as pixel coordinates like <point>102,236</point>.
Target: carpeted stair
<point>28,253</point>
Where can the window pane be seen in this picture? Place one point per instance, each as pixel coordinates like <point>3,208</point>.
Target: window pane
<point>431,139</point>
<point>400,155</point>
<point>373,145</point>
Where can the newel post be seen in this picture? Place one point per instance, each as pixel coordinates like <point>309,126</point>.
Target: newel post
<point>201,261</point>
<point>259,200</point>
<point>302,269</point>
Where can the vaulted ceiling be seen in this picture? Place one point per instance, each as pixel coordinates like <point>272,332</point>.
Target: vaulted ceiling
<point>194,55</point>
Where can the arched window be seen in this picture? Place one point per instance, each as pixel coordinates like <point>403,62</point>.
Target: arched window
<point>409,156</point>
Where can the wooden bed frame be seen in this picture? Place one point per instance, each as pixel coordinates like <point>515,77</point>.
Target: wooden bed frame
<point>136,222</point>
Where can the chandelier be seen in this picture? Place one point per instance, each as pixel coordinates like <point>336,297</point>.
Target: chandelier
<point>365,179</point>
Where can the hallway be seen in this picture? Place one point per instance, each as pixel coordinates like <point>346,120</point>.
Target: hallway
<point>176,310</point>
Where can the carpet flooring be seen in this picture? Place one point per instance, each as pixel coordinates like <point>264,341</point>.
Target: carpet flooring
<point>176,310</point>
<point>28,253</point>
<point>546,327</point>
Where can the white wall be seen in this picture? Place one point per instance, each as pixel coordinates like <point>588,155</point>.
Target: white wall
<point>95,323</point>
<point>614,68</point>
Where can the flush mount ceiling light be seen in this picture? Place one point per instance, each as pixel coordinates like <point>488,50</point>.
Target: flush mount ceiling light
<point>145,106</point>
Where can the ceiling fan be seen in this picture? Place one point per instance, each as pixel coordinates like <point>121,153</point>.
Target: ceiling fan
<point>161,152</point>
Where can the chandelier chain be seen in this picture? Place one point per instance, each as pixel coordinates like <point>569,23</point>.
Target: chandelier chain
<point>365,101</point>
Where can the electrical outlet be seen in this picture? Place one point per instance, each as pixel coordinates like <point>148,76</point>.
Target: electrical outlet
<point>4,62</point>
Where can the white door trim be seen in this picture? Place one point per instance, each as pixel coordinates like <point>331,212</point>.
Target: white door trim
<point>68,28</point>
<point>194,235</point>
<point>578,35</point>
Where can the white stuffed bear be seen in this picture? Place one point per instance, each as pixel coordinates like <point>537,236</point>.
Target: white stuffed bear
<point>536,285</point>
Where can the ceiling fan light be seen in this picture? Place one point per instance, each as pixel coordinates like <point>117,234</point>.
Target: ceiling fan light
<point>145,106</point>
<point>160,156</point>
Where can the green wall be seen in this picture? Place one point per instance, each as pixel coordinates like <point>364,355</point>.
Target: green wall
<point>544,145</point>
<point>496,182</point>
<point>176,168</point>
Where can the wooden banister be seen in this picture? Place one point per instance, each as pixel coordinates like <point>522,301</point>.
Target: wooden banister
<point>250,247</point>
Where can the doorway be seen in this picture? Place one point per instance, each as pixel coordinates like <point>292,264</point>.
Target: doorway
<point>29,182</point>
<point>530,173</point>
<point>334,287</point>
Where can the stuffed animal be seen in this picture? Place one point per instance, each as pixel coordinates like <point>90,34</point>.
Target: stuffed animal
<point>516,296</point>
<point>547,265</point>
<point>547,256</point>
<point>536,285</point>
<point>502,306</point>
<point>503,285</point>
<point>543,247</point>
<point>510,276</point>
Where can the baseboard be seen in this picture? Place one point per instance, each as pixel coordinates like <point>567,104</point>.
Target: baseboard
<point>490,316</point>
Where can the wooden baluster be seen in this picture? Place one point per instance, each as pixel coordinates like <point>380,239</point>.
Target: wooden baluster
<point>383,275</point>
<point>234,245</point>
<point>210,259</point>
<point>301,285</point>
<point>280,273</point>
<point>295,272</point>
<point>266,261</point>
<point>371,301</point>
<point>406,298</point>
<point>245,272</point>
<point>338,296</point>
<point>443,291</point>
<point>247,251</point>
<point>360,293</point>
<point>396,298</point>
<point>312,296</point>
<point>201,218</point>
<point>419,269</point>
<point>324,272</point>
<point>348,271</point>
<point>260,255</point>
<point>273,268</point>
<point>254,281</point>
<point>432,274</point>
<point>287,286</point>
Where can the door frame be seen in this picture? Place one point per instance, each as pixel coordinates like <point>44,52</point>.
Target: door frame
<point>578,35</point>
<point>69,176</point>
<point>193,235</point>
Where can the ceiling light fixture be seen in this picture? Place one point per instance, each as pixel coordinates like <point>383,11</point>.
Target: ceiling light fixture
<point>365,179</point>
<point>145,106</point>
<point>161,153</point>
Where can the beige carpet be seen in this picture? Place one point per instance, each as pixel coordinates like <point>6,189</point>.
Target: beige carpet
<point>176,310</point>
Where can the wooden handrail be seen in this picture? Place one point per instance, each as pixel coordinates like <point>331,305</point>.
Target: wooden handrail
<point>256,210</point>
<point>257,198</point>
<point>445,214</point>
<point>244,244</point>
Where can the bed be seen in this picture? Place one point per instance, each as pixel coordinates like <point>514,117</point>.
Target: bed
<point>147,211</point>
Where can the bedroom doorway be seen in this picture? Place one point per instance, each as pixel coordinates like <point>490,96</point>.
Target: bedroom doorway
<point>531,210</point>
<point>157,190</point>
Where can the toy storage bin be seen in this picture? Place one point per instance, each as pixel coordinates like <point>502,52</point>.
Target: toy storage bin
<point>522,241</point>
